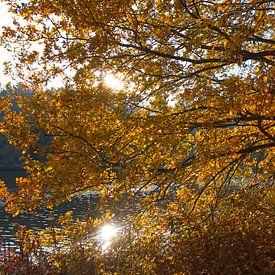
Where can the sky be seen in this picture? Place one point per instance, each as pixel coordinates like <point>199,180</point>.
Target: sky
<point>109,79</point>
<point>5,19</point>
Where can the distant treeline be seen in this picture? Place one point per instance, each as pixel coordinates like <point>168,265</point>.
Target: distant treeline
<point>9,156</point>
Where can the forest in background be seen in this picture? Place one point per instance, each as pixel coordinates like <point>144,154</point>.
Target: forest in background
<point>9,156</point>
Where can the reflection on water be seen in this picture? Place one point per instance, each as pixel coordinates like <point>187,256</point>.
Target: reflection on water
<point>82,207</point>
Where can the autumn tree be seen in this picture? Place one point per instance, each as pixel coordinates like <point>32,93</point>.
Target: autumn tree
<point>191,132</point>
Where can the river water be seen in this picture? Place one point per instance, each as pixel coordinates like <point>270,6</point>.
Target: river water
<point>82,207</point>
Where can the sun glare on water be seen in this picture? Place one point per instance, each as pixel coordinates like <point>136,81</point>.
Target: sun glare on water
<point>107,233</point>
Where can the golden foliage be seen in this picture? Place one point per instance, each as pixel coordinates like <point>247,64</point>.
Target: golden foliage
<point>189,141</point>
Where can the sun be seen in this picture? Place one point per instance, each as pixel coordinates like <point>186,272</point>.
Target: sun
<point>113,81</point>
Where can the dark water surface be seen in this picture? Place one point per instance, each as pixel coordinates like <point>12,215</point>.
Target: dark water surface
<point>82,207</point>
